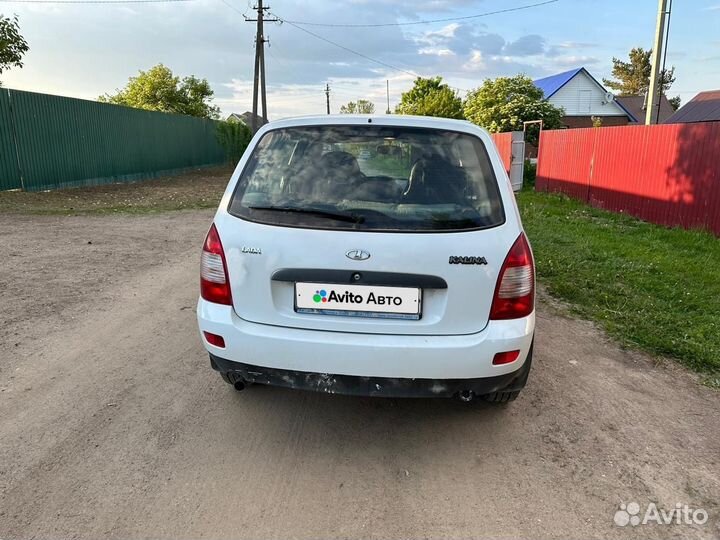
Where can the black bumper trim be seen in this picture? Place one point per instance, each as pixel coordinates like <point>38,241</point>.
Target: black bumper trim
<point>359,277</point>
<point>371,386</point>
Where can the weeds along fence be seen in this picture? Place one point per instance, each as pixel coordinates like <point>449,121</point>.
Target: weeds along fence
<point>665,174</point>
<point>51,142</point>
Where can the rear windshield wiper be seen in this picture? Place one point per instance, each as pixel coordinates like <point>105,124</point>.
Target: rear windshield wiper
<point>351,218</point>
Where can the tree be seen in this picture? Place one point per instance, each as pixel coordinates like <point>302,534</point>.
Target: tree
<point>157,89</point>
<point>504,103</point>
<point>633,77</point>
<point>234,137</point>
<point>12,45</point>
<point>362,106</point>
<point>430,97</point>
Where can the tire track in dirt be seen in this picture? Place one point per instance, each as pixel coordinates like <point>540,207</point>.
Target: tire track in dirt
<point>112,423</point>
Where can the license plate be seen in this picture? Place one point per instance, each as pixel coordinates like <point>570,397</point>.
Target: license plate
<point>358,300</point>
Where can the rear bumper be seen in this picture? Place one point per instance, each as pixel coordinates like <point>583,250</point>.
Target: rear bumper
<point>371,386</point>
<point>366,355</point>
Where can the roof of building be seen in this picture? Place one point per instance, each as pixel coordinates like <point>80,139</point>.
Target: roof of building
<point>246,118</point>
<point>705,107</point>
<point>635,105</point>
<point>553,83</point>
<point>550,85</point>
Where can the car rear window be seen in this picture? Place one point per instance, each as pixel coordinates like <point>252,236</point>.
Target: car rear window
<point>369,178</point>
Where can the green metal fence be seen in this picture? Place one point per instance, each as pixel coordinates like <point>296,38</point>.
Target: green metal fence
<point>51,142</point>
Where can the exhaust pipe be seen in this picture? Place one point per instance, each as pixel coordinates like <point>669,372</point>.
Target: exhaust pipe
<point>239,385</point>
<point>466,396</point>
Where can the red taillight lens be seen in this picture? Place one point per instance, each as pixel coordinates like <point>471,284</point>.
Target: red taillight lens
<point>214,283</point>
<point>214,339</point>
<point>505,357</point>
<point>515,291</point>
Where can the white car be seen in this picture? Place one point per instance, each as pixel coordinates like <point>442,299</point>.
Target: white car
<point>411,277</point>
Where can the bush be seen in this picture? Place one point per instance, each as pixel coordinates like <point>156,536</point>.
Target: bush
<point>529,172</point>
<point>234,137</point>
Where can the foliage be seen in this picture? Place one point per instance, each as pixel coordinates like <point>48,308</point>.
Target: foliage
<point>234,137</point>
<point>12,45</point>
<point>504,103</point>
<point>675,102</point>
<point>361,106</point>
<point>430,97</point>
<point>596,121</point>
<point>529,173</point>
<point>157,89</point>
<point>633,77</point>
<point>647,285</point>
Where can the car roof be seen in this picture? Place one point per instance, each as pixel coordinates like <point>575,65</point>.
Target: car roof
<point>397,120</point>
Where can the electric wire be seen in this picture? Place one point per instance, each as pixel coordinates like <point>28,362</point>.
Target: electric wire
<point>427,21</point>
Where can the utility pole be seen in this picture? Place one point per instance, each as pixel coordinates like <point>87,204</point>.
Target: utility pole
<point>259,75</point>
<point>327,97</point>
<point>387,85</point>
<point>655,88</point>
<point>665,48</point>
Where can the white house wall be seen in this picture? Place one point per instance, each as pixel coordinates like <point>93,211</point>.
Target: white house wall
<point>581,96</point>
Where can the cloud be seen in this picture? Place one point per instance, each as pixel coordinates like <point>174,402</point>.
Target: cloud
<point>466,38</point>
<point>476,62</point>
<point>436,51</point>
<point>577,45</point>
<point>88,50</point>
<point>525,46</point>
<point>445,34</point>
<point>575,61</point>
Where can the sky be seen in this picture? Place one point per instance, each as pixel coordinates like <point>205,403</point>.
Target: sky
<point>88,50</point>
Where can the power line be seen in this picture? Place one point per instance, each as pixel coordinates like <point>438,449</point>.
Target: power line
<point>343,47</point>
<point>228,4</point>
<point>92,1</point>
<point>428,21</point>
<point>356,53</point>
<point>259,79</point>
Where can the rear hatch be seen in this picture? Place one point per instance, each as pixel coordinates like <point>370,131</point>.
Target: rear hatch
<point>408,239</point>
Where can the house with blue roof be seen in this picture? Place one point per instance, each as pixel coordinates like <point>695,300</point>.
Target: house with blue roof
<point>583,97</point>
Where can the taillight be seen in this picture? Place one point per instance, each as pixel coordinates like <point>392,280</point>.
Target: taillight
<point>515,290</point>
<point>506,357</point>
<point>214,339</point>
<point>214,283</point>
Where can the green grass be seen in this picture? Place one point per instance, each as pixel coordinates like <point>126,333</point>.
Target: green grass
<point>651,287</point>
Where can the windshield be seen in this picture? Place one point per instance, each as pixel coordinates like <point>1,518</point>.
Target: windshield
<point>369,178</point>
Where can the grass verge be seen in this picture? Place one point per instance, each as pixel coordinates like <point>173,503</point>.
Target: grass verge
<point>648,286</point>
<point>201,188</point>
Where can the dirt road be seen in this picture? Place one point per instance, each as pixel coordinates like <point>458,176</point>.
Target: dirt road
<point>113,425</point>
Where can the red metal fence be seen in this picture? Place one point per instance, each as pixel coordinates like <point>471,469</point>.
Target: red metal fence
<point>503,142</point>
<point>666,174</point>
